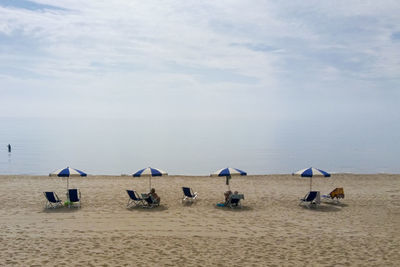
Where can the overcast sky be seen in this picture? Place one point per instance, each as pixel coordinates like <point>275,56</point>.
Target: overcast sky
<point>319,60</point>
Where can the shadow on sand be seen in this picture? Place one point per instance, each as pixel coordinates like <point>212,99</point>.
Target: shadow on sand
<point>235,209</point>
<point>61,210</point>
<point>322,208</point>
<point>337,204</point>
<point>189,203</point>
<point>146,209</point>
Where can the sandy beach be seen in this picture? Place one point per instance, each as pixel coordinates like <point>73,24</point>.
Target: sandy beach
<point>271,229</point>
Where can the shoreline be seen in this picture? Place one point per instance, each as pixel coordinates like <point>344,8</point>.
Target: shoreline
<point>191,175</point>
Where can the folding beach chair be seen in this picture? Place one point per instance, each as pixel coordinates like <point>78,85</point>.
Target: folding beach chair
<point>234,201</point>
<point>74,196</point>
<point>52,200</point>
<point>188,194</point>
<point>337,193</point>
<point>312,198</point>
<point>134,200</point>
<point>150,201</point>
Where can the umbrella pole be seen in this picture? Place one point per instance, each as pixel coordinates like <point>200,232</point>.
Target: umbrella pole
<point>67,188</point>
<point>310,183</point>
<point>150,183</point>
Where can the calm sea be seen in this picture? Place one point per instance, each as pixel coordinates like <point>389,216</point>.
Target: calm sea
<point>193,147</point>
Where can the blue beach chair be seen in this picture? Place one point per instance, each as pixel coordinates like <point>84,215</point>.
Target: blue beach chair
<point>150,201</point>
<point>234,201</point>
<point>312,198</point>
<point>134,200</point>
<point>74,196</point>
<point>52,200</point>
<point>188,194</point>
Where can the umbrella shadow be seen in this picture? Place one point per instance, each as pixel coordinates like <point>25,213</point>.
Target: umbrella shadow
<point>322,208</point>
<point>189,203</point>
<point>61,210</point>
<point>337,204</point>
<point>235,209</point>
<point>146,209</point>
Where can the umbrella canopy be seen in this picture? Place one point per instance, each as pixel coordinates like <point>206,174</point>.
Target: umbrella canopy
<point>228,172</point>
<point>310,172</point>
<point>149,172</point>
<point>67,172</point>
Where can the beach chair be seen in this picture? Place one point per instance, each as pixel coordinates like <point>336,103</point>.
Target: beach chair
<point>234,201</point>
<point>312,198</point>
<point>74,196</point>
<point>134,200</point>
<point>337,193</point>
<point>150,201</point>
<point>188,194</point>
<point>52,200</point>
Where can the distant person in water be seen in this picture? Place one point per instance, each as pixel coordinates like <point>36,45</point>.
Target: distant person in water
<point>9,148</point>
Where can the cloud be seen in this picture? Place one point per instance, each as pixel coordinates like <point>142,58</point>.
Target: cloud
<point>396,36</point>
<point>190,56</point>
<point>30,5</point>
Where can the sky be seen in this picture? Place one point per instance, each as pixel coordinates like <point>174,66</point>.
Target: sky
<point>323,62</point>
<point>267,86</point>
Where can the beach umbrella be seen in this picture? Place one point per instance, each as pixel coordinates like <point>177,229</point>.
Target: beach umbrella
<point>228,173</point>
<point>67,172</point>
<point>150,172</point>
<point>310,173</point>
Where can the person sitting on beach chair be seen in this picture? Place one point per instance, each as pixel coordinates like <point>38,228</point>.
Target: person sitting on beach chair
<point>227,195</point>
<point>311,198</point>
<point>234,200</point>
<point>152,199</point>
<point>52,200</point>
<point>154,195</point>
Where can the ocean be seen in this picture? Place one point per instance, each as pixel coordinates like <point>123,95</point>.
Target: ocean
<point>193,147</point>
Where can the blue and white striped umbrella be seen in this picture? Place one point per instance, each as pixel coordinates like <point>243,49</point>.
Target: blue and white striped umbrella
<point>310,172</point>
<point>67,172</point>
<point>150,172</point>
<point>228,172</point>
